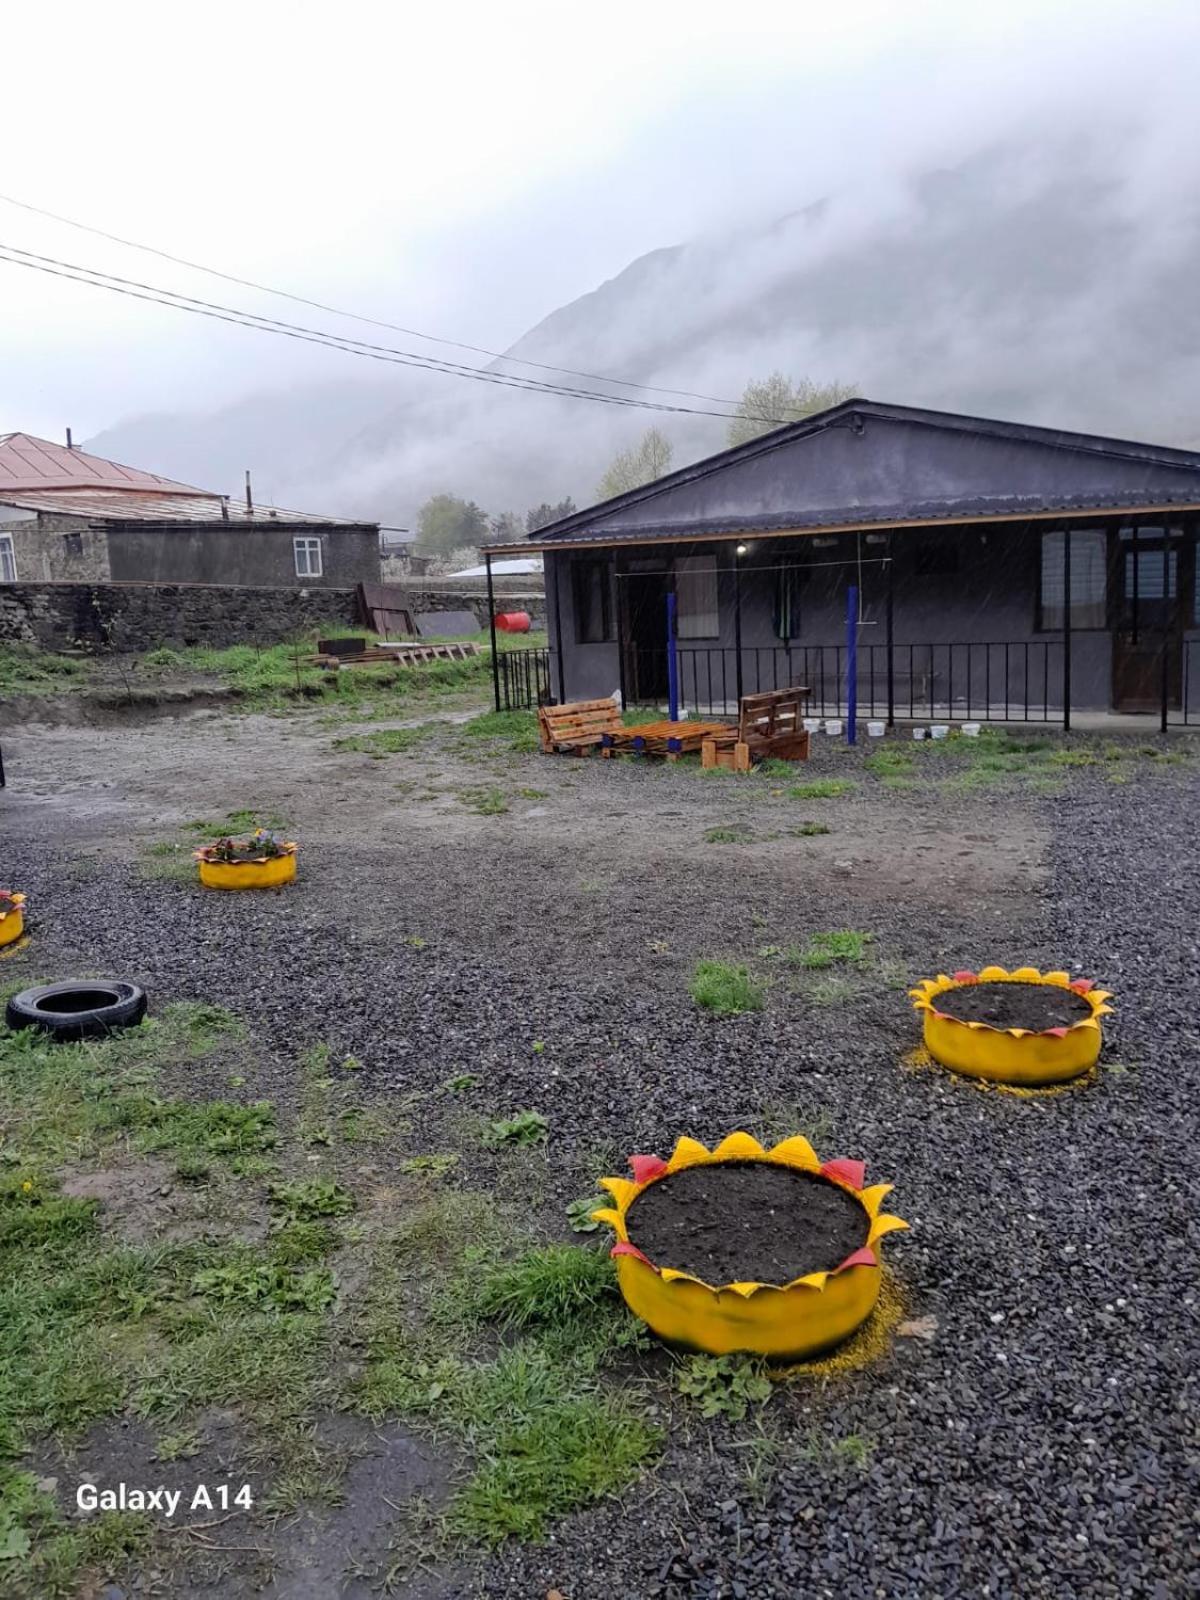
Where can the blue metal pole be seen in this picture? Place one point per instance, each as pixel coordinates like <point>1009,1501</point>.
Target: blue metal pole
<point>672,663</point>
<point>851,663</point>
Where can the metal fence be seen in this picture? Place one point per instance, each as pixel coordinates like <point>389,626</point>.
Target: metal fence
<point>522,679</point>
<point>1013,681</point>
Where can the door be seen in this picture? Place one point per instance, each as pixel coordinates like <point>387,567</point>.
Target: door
<point>1148,613</point>
<point>645,643</point>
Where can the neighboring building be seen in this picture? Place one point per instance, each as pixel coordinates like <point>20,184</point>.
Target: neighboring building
<point>954,532</point>
<point>66,516</point>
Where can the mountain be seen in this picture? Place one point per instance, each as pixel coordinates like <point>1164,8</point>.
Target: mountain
<point>1029,283</point>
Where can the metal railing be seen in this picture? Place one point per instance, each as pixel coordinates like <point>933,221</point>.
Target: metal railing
<point>522,679</point>
<point>977,680</point>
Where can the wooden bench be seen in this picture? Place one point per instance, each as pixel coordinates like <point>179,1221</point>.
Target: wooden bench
<point>579,726</point>
<point>769,724</point>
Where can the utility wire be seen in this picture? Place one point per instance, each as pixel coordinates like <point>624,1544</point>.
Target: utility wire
<point>393,327</point>
<point>247,319</point>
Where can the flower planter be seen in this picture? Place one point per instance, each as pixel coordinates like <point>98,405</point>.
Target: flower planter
<point>12,916</point>
<point>261,862</point>
<point>1024,1027</point>
<point>747,1249</point>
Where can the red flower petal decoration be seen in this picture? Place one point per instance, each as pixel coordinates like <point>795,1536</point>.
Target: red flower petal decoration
<point>965,977</point>
<point>865,1257</point>
<point>1081,985</point>
<point>624,1248</point>
<point>1056,1033</point>
<point>851,1172</point>
<point>646,1167</point>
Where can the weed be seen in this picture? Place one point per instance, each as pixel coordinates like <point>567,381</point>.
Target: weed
<point>384,742</point>
<point>730,835</point>
<point>831,991</point>
<point>820,789</point>
<point>533,794</point>
<point>579,1213</point>
<point>725,990</point>
<point>305,1202</point>
<point>179,1446</point>
<point>251,1283</point>
<point>724,1386</point>
<point>518,730</point>
<point>829,949</point>
<point>526,1127</point>
<point>547,1287</point>
<point>539,1047</point>
<point>193,1169</point>
<point>486,802</point>
<point>432,1166</point>
<point>809,830</point>
<point>461,1082</point>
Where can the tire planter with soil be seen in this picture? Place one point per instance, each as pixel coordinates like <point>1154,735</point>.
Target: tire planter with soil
<point>742,1248</point>
<point>86,1009</point>
<point>247,865</point>
<point>1027,1028</point>
<point>12,916</point>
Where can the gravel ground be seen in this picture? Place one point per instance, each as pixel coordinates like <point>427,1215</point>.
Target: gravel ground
<point>1039,1437</point>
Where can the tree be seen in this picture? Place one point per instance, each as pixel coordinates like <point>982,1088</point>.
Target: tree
<point>505,528</point>
<point>541,516</point>
<point>641,463</point>
<point>447,523</point>
<point>768,403</point>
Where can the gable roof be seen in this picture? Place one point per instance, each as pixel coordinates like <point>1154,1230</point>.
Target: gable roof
<point>31,464</point>
<point>865,463</point>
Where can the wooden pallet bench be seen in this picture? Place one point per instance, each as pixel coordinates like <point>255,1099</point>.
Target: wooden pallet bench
<point>580,726</point>
<point>669,739</point>
<point>769,724</point>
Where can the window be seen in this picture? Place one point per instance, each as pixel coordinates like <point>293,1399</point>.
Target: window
<point>308,557</point>
<point>696,614</point>
<point>8,561</point>
<point>1089,579</point>
<point>788,582</point>
<point>72,544</point>
<point>593,602</point>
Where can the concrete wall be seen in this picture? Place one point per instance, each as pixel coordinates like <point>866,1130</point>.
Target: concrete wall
<point>257,555</point>
<point>51,549</point>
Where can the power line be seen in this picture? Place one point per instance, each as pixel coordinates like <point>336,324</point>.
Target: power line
<point>151,293</point>
<point>393,327</point>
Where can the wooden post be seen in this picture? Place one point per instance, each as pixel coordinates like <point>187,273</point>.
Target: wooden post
<point>737,621</point>
<point>891,642</point>
<point>553,563</point>
<point>491,599</point>
<point>1066,672</point>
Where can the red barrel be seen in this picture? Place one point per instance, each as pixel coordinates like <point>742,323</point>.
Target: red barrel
<point>512,621</point>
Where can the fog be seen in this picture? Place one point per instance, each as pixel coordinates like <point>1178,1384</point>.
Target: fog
<point>990,209</point>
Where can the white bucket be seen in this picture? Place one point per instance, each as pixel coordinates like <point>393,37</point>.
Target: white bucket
<point>940,730</point>
<point>876,729</point>
<point>918,733</point>
<point>812,724</point>
<point>833,725</point>
<point>971,730</point>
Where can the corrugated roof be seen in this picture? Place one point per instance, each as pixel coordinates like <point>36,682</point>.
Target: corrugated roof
<point>30,463</point>
<point>125,505</point>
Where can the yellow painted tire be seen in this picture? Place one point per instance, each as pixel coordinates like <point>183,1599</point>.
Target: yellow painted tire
<point>12,925</point>
<point>784,1322</point>
<point>790,1324</point>
<point>1011,1055</point>
<point>248,874</point>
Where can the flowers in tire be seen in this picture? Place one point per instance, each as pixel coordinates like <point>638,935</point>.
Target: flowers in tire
<point>10,901</point>
<point>261,845</point>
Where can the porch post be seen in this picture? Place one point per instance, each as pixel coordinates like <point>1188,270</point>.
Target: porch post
<point>558,638</point>
<point>737,620</point>
<point>1066,673</point>
<point>1164,642</point>
<point>891,641</point>
<point>491,598</point>
<point>619,601</point>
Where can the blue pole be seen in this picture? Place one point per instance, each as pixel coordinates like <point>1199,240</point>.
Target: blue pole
<point>672,663</point>
<point>851,663</point>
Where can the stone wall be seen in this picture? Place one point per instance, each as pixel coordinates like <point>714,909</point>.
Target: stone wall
<point>145,616</point>
<point>51,549</point>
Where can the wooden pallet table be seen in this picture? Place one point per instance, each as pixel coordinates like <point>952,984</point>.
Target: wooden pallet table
<point>669,739</point>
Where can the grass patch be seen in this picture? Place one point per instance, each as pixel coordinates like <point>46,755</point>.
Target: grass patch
<point>24,669</point>
<point>736,834</point>
<point>385,741</point>
<point>820,789</point>
<point>514,730</point>
<point>726,990</point>
<point>809,830</point>
<point>526,1127</point>
<point>830,949</point>
<point>547,1287</point>
<point>486,802</point>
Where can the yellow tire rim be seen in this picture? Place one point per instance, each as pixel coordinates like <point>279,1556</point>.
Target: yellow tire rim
<point>269,874</point>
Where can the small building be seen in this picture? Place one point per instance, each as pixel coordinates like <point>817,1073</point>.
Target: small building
<point>70,517</point>
<point>997,569</point>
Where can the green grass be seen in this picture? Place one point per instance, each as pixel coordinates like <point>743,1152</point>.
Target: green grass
<point>737,834</point>
<point>726,990</point>
<point>547,1286</point>
<point>24,669</point>
<point>830,949</point>
<point>810,830</point>
<point>486,802</point>
<point>526,1127</point>
<point>513,730</point>
<point>820,789</point>
<point>385,741</point>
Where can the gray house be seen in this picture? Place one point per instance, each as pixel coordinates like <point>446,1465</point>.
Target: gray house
<point>70,517</point>
<point>993,569</point>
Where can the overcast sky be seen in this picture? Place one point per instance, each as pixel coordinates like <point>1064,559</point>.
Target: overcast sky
<point>465,169</point>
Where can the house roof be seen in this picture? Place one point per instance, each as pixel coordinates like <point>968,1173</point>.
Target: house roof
<point>38,475</point>
<point>865,463</point>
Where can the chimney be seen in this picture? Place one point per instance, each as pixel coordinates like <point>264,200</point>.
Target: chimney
<point>249,495</point>
<point>70,446</point>
<point>224,508</point>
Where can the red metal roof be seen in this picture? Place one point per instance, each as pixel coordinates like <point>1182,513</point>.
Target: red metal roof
<point>27,463</point>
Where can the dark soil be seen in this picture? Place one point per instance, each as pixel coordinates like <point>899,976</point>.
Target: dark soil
<point>747,1222</point>
<point>1036,1006</point>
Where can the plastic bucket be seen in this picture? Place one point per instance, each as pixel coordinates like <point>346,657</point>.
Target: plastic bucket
<point>940,730</point>
<point>812,724</point>
<point>918,733</point>
<point>971,730</point>
<point>833,725</point>
<point>512,621</point>
<point>876,729</point>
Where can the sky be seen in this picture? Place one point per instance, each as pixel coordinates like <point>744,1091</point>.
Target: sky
<point>464,169</point>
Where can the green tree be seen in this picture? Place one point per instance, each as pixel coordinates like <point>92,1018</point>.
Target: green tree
<point>541,516</point>
<point>641,463</point>
<point>446,523</point>
<point>768,403</point>
<point>506,528</point>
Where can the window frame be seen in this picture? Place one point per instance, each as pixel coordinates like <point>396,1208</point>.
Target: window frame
<point>1103,604</point>
<point>8,547</point>
<point>306,544</point>
<point>584,574</point>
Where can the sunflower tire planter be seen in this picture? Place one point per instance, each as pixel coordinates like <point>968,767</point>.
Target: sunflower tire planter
<point>260,862</point>
<point>12,917</point>
<point>1027,1057</point>
<point>793,1320</point>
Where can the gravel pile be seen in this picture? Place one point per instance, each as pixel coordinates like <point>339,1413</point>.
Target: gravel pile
<point>1037,1438</point>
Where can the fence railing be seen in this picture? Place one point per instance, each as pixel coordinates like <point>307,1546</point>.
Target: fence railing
<point>1005,681</point>
<point>522,679</point>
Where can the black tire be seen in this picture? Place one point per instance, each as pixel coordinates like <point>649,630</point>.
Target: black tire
<point>80,1010</point>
